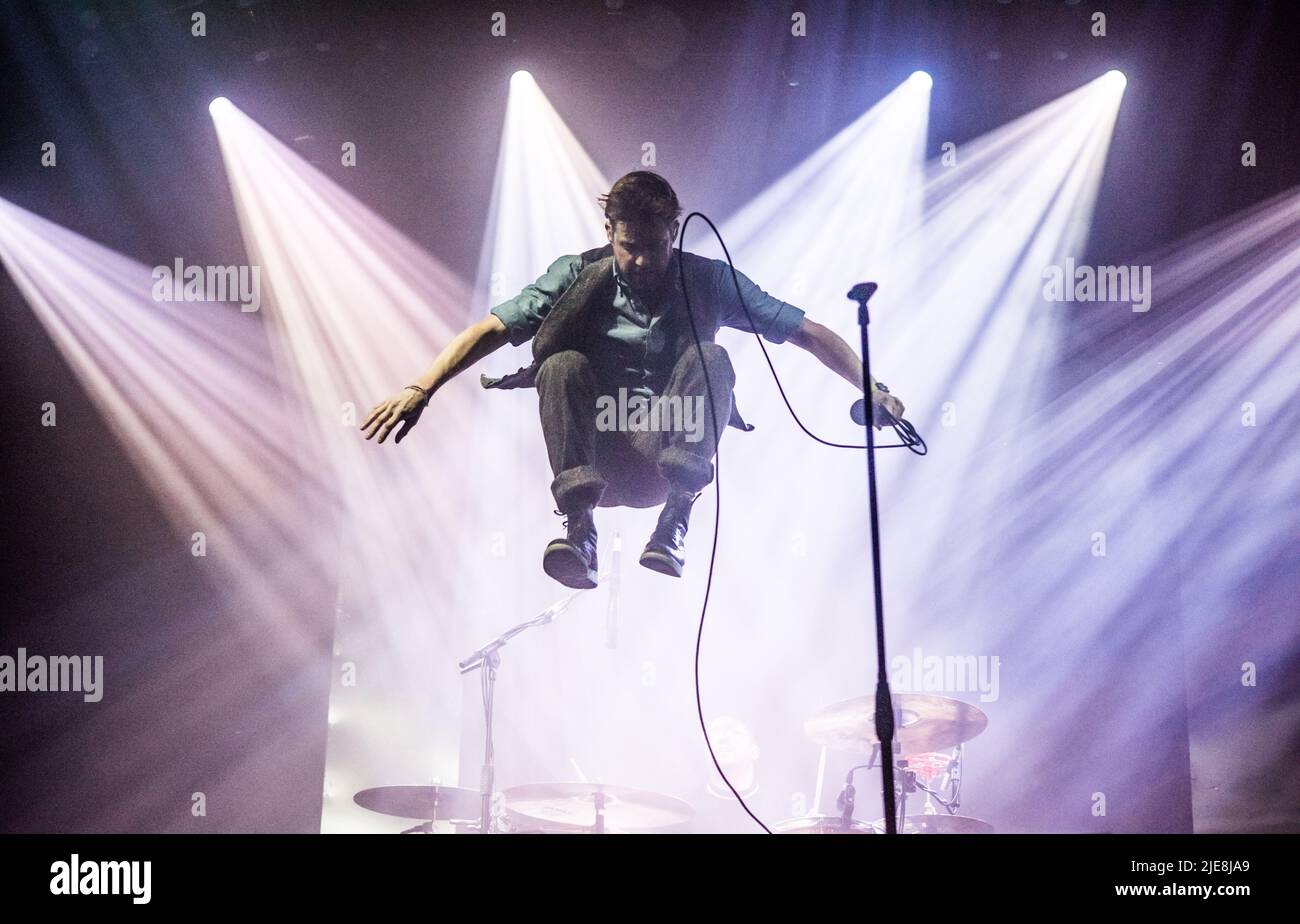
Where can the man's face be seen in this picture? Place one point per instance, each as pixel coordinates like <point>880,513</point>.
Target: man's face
<point>642,251</point>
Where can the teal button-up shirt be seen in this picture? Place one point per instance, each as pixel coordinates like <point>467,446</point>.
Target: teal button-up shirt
<point>632,349</point>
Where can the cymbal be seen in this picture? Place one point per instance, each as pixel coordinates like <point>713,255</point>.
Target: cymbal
<point>426,803</point>
<point>822,824</point>
<point>941,824</point>
<point>924,722</point>
<point>572,806</point>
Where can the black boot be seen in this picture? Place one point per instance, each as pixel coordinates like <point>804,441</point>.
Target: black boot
<point>572,560</point>
<point>666,550</point>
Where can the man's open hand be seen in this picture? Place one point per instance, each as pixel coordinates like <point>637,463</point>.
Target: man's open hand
<point>403,408</point>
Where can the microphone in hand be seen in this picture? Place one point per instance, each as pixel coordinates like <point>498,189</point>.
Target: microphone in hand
<point>883,416</point>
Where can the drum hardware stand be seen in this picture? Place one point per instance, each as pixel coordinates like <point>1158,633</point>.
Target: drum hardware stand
<point>908,783</point>
<point>953,802</point>
<point>847,798</point>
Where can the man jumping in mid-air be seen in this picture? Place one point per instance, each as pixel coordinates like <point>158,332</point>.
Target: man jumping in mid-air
<point>611,322</point>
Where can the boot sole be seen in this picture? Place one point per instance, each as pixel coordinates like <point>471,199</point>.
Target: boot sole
<point>663,564</point>
<point>565,565</point>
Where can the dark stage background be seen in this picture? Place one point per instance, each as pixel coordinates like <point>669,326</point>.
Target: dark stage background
<point>125,90</point>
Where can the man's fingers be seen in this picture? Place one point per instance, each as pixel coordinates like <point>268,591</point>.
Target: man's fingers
<point>374,411</point>
<point>394,417</point>
<point>376,421</point>
<point>891,405</point>
<point>386,415</point>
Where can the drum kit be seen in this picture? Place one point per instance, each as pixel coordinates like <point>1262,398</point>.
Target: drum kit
<point>930,732</point>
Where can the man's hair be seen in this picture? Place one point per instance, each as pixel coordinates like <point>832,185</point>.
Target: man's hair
<point>641,197</point>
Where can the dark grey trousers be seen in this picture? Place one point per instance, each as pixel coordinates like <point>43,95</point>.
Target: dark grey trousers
<point>628,468</point>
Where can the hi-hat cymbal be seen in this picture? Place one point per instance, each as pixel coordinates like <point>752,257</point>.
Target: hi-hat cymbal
<point>924,722</point>
<point>573,806</point>
<point>426,803</point>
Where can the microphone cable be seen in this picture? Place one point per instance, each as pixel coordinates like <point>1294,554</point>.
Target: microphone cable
<point>907,434</point>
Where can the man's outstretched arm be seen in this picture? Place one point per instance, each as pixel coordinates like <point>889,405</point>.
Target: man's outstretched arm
<point>465,349</point>
<point>835,354</point>
<point>514,321</point>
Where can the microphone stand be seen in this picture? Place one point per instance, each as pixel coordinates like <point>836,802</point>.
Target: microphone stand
<point>489,658</point>
<point>861,293</point>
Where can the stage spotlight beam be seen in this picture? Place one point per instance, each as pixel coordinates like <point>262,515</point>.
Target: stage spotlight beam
<point>355,307</point>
